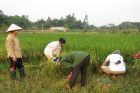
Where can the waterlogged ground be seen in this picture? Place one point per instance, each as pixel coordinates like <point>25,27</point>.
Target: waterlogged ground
<point>43,77</point>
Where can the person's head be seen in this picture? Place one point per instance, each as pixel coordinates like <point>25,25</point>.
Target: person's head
<point>14,32</point>
<point>116,52</point>
<point>62,41</point>
<point>13,29</point>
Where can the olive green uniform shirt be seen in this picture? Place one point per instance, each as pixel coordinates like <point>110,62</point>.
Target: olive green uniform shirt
<point>74,58</point>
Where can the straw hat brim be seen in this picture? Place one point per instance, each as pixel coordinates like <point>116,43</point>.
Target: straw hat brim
<point>13,27</point>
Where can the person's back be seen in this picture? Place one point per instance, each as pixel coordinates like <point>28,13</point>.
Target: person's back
<point>75,57</point>
<point>52,48</point>
<point>116,64</point>
<point>113,65</point>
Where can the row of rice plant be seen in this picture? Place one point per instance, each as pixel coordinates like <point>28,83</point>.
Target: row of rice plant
<point>43,77</point>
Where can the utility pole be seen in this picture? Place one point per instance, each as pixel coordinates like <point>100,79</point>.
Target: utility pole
<point>42,27</point>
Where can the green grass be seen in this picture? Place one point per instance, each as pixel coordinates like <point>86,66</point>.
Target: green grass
<point>46,78</point>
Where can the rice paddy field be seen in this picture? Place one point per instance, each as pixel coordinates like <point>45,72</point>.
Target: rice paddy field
<point>43,77</point>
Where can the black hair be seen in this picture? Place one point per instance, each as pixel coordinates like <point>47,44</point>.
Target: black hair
<point>118,62</point>
<point>62,40</point>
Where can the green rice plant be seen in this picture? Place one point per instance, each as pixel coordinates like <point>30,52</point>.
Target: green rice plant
<point>45,77</point>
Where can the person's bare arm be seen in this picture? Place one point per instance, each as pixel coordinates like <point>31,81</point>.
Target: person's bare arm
<point>105,63</point>
<point>58,63</point>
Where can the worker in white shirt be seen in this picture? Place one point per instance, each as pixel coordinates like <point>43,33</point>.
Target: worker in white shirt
<point>116,64</point>
<point>53,49</point>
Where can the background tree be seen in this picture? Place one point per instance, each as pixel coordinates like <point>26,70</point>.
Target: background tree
<point>21,21</point>
<point>3,21</point>
<point>85,24</point>
<point>70,20</point>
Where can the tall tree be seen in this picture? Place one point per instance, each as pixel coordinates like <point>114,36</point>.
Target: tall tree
<point>22,21</point>
<point>70,20</point>
<point>86,24</point>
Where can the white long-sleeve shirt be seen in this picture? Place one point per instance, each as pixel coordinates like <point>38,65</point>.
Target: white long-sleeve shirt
<point>52,49</point>
<point>113,58</point>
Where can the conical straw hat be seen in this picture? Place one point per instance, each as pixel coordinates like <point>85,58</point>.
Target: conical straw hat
<point>13,27</point>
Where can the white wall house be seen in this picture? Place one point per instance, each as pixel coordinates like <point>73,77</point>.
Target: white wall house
<point>62,28</point>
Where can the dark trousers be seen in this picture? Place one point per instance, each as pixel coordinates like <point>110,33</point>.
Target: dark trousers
<point>14,65</point>
<point>81,67</point>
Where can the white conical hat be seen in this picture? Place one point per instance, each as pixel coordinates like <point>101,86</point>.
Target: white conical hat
<point>13,27</point>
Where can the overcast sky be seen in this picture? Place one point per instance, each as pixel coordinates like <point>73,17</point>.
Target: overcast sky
<point>100,12</point>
